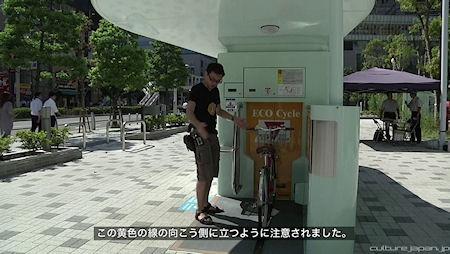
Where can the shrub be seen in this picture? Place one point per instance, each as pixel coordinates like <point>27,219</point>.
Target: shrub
<point>5,144</point>
<point>33,140</point>
<point>22,113</point>
<point>59,136</point>
<point>177,120</point>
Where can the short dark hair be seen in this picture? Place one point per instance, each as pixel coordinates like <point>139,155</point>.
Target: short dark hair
<point>37,94</point>
<point>51,94</point>
<point>216,68</point>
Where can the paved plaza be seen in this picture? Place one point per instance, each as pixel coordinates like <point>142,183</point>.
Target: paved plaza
<point>403,198</point>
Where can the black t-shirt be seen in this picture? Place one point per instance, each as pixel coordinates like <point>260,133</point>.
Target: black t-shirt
<point>206,103</point>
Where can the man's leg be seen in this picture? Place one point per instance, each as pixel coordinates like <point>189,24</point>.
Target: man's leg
<point>201,189</point>
<point>208,188</point>
<point>53,121</point>
<point>33,124</point>
<point>418,131</point>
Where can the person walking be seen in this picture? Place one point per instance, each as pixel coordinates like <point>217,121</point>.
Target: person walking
<point>202,110</point>
<point>50,102</point>
<point>6,114</point>
<point>35,107</point>
<point>415,106</point>
<point>389,114</point>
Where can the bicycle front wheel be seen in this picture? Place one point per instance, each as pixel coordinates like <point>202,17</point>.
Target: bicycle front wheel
<point>263,198</point>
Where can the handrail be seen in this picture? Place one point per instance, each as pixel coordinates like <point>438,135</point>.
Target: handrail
<point>123,131</point>
<point>107,128</point>
<point>83,125</point>
<point>235,149</point>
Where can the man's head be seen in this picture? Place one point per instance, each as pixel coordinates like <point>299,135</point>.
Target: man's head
<point>37,95</point>
<point>213,75</point>
<point>413,94</point>
<point>52,95</point>
<point>389,95</point>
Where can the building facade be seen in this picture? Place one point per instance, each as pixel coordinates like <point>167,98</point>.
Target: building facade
<point>385,19</point>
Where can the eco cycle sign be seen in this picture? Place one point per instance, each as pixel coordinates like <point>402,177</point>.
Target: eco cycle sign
<point>279,113</point>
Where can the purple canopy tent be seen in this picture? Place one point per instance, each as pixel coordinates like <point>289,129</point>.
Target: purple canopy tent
<point>378,80</point>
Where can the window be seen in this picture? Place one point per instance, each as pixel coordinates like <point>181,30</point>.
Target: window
<point>348,45</point>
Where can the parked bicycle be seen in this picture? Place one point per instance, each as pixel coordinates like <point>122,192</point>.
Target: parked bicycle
<point>266,138</point>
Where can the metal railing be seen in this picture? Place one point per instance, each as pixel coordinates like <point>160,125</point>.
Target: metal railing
<point>122,134</point>
<point>108,125</point>
<point>235,150</point>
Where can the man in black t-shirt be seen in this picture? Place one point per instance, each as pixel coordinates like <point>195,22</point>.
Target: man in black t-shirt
<point>202,110</point>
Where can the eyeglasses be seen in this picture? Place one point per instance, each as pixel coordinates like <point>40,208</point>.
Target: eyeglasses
<point>217,81</point>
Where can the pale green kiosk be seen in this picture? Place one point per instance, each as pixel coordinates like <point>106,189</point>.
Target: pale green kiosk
<point>284,63</point>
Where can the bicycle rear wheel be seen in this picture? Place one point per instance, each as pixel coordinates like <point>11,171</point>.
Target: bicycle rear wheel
<point>263,198</point>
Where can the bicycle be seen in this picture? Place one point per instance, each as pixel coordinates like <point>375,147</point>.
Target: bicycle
<point>267,174</point>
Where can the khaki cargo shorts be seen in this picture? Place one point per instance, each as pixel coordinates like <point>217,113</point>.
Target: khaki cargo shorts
<point>207,158</point>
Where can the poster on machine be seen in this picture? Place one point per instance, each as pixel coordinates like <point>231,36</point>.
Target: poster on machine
<point>291,82</point>
<point>287,143</point>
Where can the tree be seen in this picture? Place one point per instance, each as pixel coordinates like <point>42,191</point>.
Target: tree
<point>45,32</point>
<point>119,65</point>
<point>398,48</point>
<point>423,9</point>
<point>374,54</point>
<point>167,69</point>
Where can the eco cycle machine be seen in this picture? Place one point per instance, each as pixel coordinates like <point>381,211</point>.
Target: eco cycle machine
<point>317,162</point>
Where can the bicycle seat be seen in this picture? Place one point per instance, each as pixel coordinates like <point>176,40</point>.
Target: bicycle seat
<point>265,150</point>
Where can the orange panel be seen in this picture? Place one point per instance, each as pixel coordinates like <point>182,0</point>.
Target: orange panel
<point>288,143</point>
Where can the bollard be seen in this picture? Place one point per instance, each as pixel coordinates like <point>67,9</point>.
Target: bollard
<point>129,116</point>
<point>46,124</point>
<point>93,120</point>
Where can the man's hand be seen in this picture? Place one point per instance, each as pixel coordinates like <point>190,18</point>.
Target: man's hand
<point>240,122</point>
<point>201,129</point>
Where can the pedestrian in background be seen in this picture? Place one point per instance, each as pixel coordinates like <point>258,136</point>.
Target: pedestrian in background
<point>6,114</point>
<point>50,102</point>
<point>415,105</point>
<point>35,107</point>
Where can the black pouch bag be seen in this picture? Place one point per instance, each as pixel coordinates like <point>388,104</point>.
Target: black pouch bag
<point>189,142</point>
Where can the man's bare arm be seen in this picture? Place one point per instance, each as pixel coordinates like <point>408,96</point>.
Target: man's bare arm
<point>190,114</point>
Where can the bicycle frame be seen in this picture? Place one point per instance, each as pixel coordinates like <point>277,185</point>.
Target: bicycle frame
<point>267,180</point>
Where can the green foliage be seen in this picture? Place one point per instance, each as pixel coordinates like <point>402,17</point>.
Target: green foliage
<point>374,54</point>
<point>59,136</point>
<point>120,66</point>
<point>155,122</point>
<point>177,120</point>
<point>400,49</point>
<point>5,144</point>
<point>167,69</point>
<point>375,102</point>
<point>45,31</point>
<point>434,67</point>
<point>421,7</point>
<point>21,113</point>
<point>423,10</point>
<point>33,140</point>
<point>430,127</point>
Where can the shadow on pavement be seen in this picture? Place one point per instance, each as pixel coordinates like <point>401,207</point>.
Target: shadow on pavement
<point>390,214</point>
<point>238,212</point>
<point>399,146</point>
